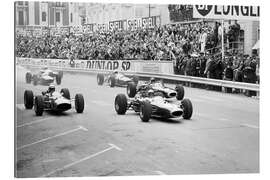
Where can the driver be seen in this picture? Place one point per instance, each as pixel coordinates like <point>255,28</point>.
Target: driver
<point>152,80</point>
<point>51,89</point>
<point>151,93</point>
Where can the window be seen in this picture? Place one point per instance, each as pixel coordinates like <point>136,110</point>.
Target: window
<point>21,18</point>
<point>57,16</point>
<point>43,16</point>
<point>58,4</point>
<point>71,17</point>
<point>20,3</point>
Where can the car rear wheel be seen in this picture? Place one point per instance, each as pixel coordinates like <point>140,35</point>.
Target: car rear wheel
<point>100,79</point>
<point>60,73</point>
<point>28,77</point>
<point>28,99</point>
<point>180,92</point>
<point>58,79</point>
<point>112,81</point>
<point>79,103</point>
<point>145,111</point>
<point>35,79</point>
<point>187,108</point>
<point>120,104</point>
<point>65,93</point>
<point>39,105</point>
<point>131,89</point>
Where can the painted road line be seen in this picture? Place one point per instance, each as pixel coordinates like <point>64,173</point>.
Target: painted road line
<point>159,172</point>
<point>112,146</point>
<point>20,106</point>
<point>250,126</point>
<point>52,137</point>
<point>34,122</point>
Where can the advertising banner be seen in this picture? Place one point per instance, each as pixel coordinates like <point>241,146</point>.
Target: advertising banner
<point>150,22</point>
<point>134,24</point>
<point>116,25</point>
<point>235,12</point>
<point>160,67</point>
<point>58,31</point>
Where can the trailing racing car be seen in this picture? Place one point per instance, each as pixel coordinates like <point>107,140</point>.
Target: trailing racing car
<point>44,76</point>
<point>52,100</point>
<point>153,104</point>
<point>116,79</point>
<point>157,87</point>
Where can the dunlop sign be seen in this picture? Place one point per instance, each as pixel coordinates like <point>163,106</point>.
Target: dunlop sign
<point>227,12</point>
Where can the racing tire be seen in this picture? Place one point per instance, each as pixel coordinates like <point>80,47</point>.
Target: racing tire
<point>100,79</point>
<point>180,92</point>
<point>35,79</point>
<point>145,111</point>
<point>187,108</point>
<point>60,73</point>
<point>65,93</point>
<point>131,89</point>
<point>135,79</point>
<point>39,105</point>
<point>58,79</point>
<point>79,103</point>
<point>120,104</point>
<point>28,77</point>
<point>112,81</point>
<point>28,99</point>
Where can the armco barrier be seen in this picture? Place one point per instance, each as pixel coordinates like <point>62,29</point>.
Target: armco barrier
<point>199,80</point>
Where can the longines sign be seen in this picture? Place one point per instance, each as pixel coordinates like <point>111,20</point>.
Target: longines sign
<point>227,12</point>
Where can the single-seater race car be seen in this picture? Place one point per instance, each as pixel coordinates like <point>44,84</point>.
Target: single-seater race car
<point>158,87</point>
<point>116,79</point>
<point>152,103</point>
<point>52,100</point>
<point>44,76</point>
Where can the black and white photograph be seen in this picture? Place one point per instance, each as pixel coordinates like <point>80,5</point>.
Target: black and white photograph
<point>136,89</point>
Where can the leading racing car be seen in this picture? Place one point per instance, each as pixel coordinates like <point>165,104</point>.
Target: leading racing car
<point>116,79</point>
<point>44,76</point>
<point>158,86</point>
<point>149,102</point>
<point>52,100</point>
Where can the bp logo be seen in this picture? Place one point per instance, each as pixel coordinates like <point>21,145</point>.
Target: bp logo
<point>204,9</point>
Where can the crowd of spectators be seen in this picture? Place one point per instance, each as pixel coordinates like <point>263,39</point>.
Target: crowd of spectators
<point>191,46</point>
<point>160,43</point>
<point>234,67</point>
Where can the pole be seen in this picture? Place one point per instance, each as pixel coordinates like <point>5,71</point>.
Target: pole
<point>222,39</point>
<point>149,6</point>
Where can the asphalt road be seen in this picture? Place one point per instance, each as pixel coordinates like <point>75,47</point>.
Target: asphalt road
<point>221,137</point>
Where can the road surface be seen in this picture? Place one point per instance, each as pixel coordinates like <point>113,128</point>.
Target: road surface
<point>221,137</point>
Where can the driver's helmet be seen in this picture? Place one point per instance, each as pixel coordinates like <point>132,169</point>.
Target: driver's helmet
<point>150,93</point>
<point>152,80</point>
<point>51,88</point>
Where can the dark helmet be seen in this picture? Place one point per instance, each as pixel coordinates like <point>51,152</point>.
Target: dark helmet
<point>51,88</point>
<point>152,80</point>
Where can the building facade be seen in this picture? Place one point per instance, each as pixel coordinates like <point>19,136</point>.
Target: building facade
<point>97,13</point>
<point>50,14</point>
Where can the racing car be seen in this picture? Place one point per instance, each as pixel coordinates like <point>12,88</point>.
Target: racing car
<point>52,100</point>
<point>153,104</point>
<point>44,76</point>
<point>158,87</point>
<point>116,79</point>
